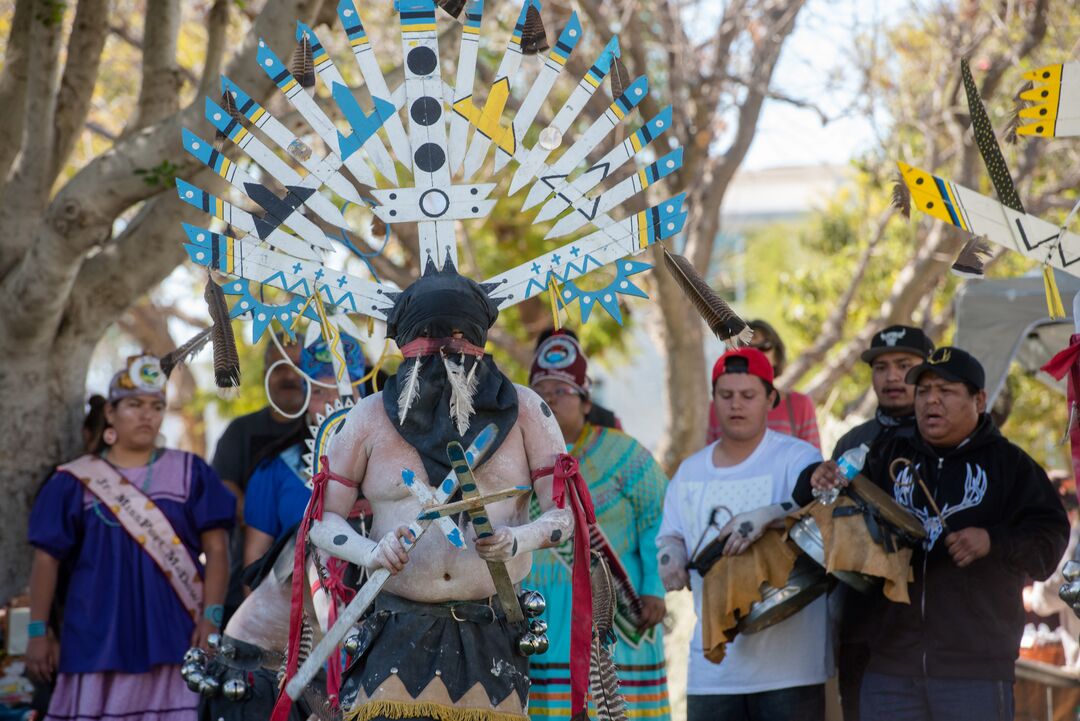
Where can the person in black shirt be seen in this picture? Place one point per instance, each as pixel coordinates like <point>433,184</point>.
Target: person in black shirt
<point>892,353</point>
<point>950,653</point>
<point>241,445</point>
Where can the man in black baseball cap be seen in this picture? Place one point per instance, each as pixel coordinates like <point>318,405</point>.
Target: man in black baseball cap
<point>992,519</point>
<point>892,353</point>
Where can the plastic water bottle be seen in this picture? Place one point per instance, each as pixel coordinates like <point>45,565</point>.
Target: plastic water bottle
<point>853,460</point>
<point>850,463</point>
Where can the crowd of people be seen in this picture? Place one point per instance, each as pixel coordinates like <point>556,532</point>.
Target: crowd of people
<point>132,541</point>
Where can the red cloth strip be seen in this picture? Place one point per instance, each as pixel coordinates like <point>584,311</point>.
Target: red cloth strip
<point>1068,362</point>
<point>542,473</point>
<point>339,593</point>
<point>569,486</point>
<point>314,511</point>
<point>431,346</point>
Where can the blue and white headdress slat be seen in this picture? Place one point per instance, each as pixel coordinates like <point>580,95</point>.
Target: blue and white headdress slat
<point>566,192</point>
<point>326,169</point>
<point>488,121</point>
<point>630,236</point>
<point>444,136</point>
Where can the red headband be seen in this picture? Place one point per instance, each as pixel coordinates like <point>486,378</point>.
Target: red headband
<point>431,346</point>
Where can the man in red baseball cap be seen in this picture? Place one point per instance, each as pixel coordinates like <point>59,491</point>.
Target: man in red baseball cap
<point>747,476</point>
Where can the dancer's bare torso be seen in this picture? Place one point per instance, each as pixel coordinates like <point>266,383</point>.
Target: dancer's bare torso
<point>369,451</point>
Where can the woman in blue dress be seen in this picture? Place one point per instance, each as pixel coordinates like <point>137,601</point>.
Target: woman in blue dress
<point>128,525</point>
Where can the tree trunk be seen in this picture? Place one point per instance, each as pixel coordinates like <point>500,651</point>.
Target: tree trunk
<point>43,398</point>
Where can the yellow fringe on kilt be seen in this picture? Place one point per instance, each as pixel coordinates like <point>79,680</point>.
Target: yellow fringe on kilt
<point>418,709</point>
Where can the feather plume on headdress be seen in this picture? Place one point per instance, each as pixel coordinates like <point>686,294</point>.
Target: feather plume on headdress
<point>462,390</point>
<point>226,359</point>
<point>724,322</point>
<point>229,105</point>
<point>410,391</point>
<point>452,8</point>
<point>185,352</point>
<point>603,677</point>
<point>971,263</point>
<point>302,66</point>
<point>533,35</point>
<point>619,78</point>
<point>1014,118</point>
<point>901,196</point>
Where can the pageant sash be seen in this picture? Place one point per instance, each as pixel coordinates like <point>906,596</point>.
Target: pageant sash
<point>146,524</point>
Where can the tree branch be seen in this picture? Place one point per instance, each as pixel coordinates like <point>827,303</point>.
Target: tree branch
<point>160,88</point>
<point>26,194</point>
<point>833,328</point>
<point>138,259</point>
<point>123,32</point>
<point>780,23</point>
<point>13,81</point>
<point>80,74</point>
<point>82,213</point>
<point>217,27</point>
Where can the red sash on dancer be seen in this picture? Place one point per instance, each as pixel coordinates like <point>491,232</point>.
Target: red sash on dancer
<point>569,485</point>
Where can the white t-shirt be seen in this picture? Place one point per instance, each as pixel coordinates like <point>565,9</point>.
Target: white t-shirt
<point>794,652</point>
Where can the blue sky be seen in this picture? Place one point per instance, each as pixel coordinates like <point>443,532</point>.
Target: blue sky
<point>816,64</point>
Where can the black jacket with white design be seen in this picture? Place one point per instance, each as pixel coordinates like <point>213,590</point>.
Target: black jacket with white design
<point>967,622</point>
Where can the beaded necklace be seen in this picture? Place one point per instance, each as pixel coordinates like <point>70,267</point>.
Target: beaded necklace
<point>96,505</point>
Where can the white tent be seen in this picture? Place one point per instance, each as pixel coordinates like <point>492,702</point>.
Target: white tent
<point>999,321</point>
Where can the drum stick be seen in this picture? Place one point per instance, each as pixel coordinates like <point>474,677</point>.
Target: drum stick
<point>926,491</point>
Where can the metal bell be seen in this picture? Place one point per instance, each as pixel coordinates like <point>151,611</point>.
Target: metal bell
<point>210,686</point>
<point>194,680</point>
<point>195,655</point>
<point>1069,593</point>
<point>538,626</point>
<point>533,603</point>
<point>234,689</point>
<point>527,644</point>
<point>352,644</point>
<point>542,643</point>
<point>1071,571</point>
<point>213,640</point>
<point>189,668</point>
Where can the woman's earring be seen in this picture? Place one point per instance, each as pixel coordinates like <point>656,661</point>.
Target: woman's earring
<point>109,436</point>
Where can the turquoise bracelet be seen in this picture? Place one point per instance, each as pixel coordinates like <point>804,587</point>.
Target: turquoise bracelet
<point>215,614</point>
<point>36,629</point>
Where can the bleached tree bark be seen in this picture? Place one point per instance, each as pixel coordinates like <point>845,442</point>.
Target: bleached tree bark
<point>64,277</point>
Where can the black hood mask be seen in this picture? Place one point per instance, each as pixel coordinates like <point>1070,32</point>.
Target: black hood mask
<point>435,306</point>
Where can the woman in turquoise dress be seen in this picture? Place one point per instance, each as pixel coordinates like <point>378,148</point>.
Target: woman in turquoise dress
<point>627,488</point>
